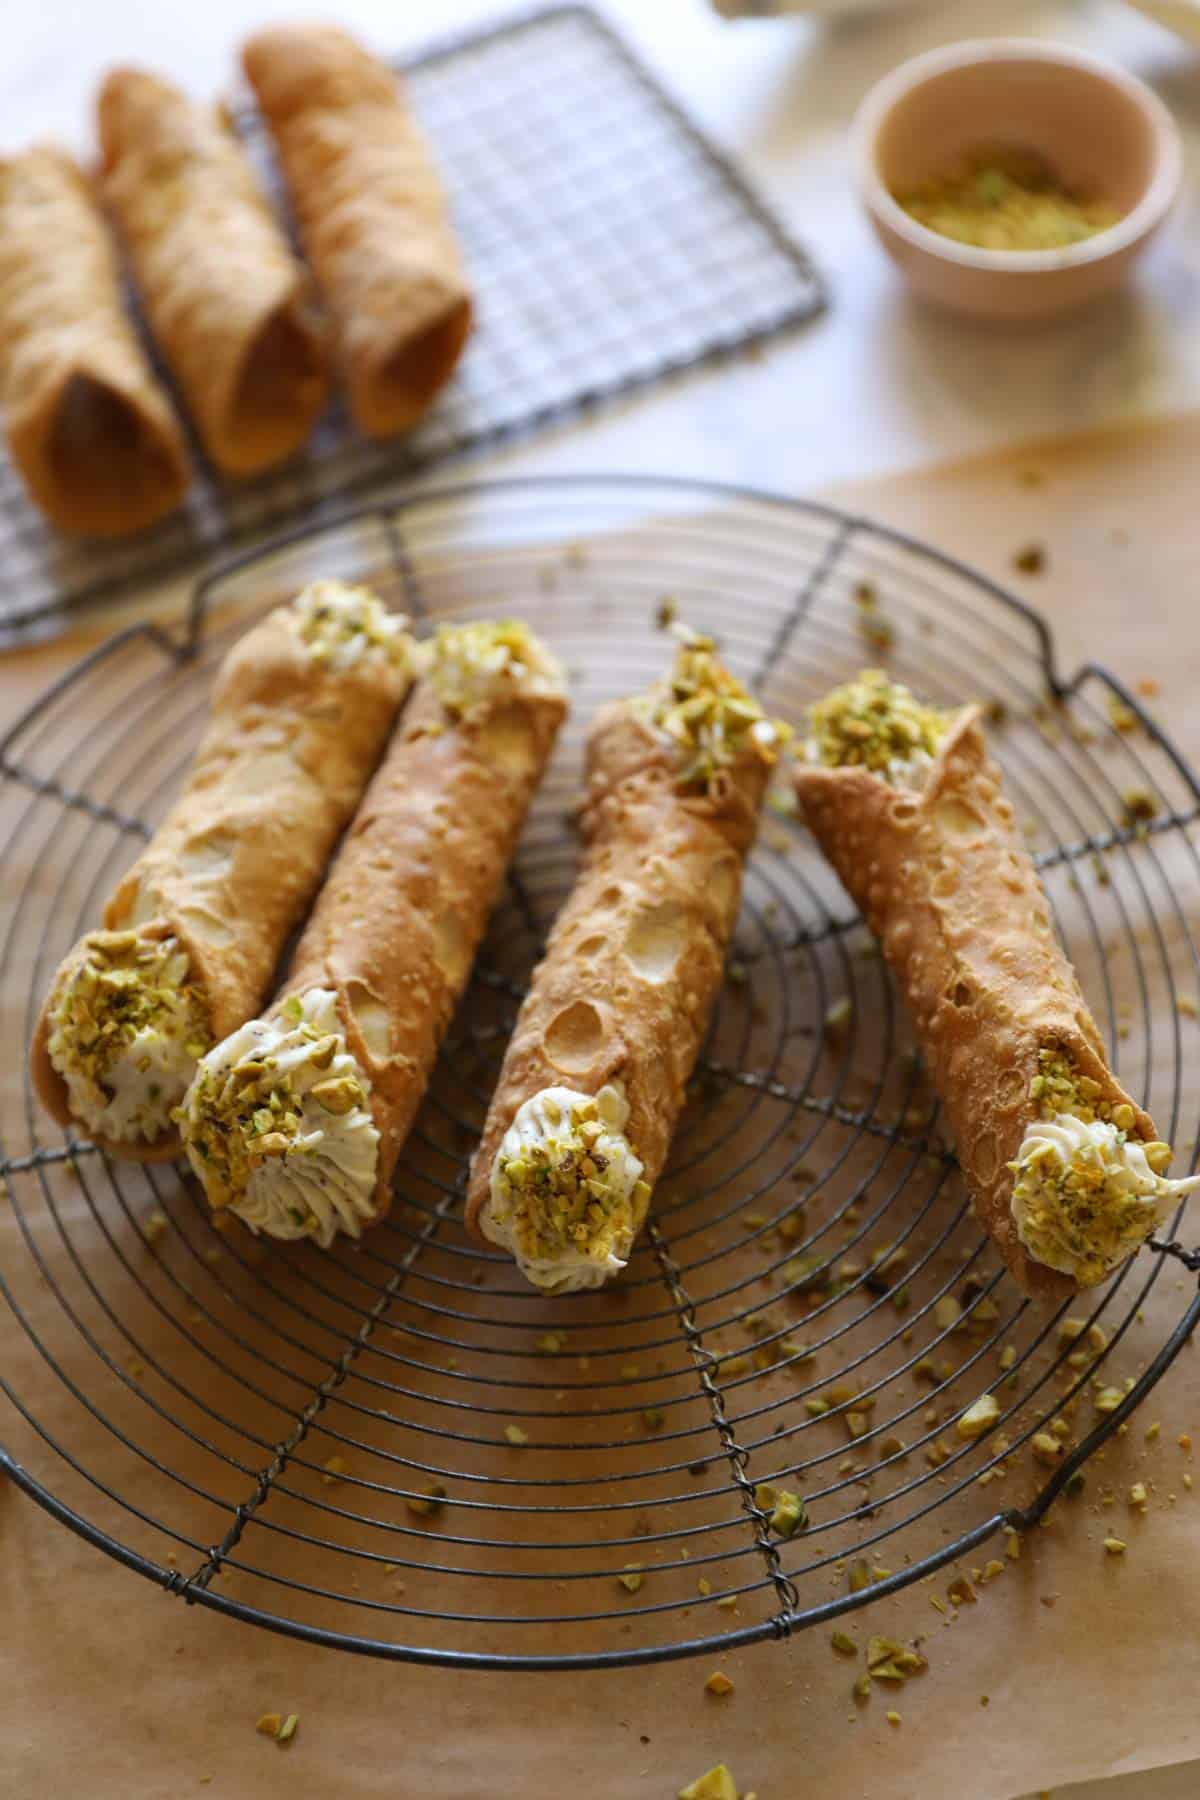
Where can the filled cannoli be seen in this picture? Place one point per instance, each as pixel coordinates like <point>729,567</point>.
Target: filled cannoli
<point>595,1075</point>
<point>230,306</point>
<point>372,218</point>
<point>295,1122</point>
<point>301,711</point>
<point>1066,1171</point>
<point>90,428</point>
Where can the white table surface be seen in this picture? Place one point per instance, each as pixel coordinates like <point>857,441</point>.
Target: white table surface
<point>877,384</point>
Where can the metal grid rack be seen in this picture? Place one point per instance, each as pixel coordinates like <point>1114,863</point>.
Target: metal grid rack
<point>248,1426</point>
<point>610,244</point>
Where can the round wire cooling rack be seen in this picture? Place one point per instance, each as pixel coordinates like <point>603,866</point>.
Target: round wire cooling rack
<point>399,1449</point>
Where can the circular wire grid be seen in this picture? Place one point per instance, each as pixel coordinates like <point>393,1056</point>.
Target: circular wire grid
<point>398,1448</point>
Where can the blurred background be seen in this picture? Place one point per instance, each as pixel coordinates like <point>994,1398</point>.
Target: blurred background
<point>878,383</point>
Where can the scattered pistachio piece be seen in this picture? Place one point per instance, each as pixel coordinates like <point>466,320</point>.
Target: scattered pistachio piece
<point>844,1644</point>
<point>979,1417</point>
<point>515,1435</point>
<point>718,1683</point>
<point>1115,1546</point>
<point>632,1579</point>
<point>715,1784</point>
<point>268,1725</point>
<point>287,1730</point>
<point>435,1494</point>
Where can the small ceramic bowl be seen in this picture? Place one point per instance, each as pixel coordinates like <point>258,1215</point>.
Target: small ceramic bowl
<point>1100,129</point>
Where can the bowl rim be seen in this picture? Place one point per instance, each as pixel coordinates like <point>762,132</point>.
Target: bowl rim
<point>1161,191</point>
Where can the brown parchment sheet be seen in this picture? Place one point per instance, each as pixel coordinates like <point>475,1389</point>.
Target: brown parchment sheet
<point>1088,1661</point>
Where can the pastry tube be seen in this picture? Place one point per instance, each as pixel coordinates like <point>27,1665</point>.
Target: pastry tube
<point>1064,1168</point>
<point>89,427</point>
<point>372,217</point>
<point>296,1121</point>
<point>301,711</point>
<point>595,1075</point>
<point>230,306</point>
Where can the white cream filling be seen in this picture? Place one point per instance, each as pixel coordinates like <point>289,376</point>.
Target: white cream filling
<point>147,1077</point>
<point>479,663</point>
<point>324,1183</point>
<point>545,1122</point>
<point>1048,1149</point>
<point>342,624</point>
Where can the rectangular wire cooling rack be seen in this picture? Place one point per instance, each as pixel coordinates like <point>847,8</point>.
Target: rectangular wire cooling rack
<point>610,244</point>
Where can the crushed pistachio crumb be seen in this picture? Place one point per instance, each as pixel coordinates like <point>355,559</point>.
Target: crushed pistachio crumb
<point>632,1578</point>
<point>844,1644</point>
<point>423,1507</point>
<point>1138,806</point>
<point>566,1181</point>
<point>515,1435</point>
<point>1085,1208</point>
<point>1115,1546</point>
<point>127,1026</point>
<point>489,659</point>
<point>874,723</point>
<point>718,1683</point>
<point>706,712</point>
<point>786,1511</point>
<point>268,1724</point>
<point>979,1417</point>
<point>838,1015</point>
<point>340,624</point>
<point>715,1784</point>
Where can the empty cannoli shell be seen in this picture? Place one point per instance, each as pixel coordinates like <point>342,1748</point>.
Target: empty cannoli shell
<point>231,307</point>
<point>90,428</point>
<point>372,218</point>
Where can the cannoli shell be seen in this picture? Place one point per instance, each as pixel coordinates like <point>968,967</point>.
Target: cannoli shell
<point>230,306</point>
<point>407,902</point>
<point>944,880</point>
<point>90,428</point>
<point>635,959</point>
<point>231,870</point>
<point>372,217</point>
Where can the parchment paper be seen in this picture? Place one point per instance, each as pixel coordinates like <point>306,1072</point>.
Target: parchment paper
<point>1089,1662</point>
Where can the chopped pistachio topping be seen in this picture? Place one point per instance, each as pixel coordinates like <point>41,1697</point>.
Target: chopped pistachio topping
<point>126,1029</point>
<point>707,714</point>
<point>786,1511</point>
<point>876,723</point>
<point>1087,1193</point>
<point>1001,197</point>
<point>277,1124</point>
<point>342,624</point>
<point>715,1784</point>
<point>490,660</point>
<point>567,1197</point>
